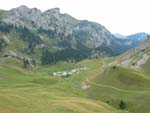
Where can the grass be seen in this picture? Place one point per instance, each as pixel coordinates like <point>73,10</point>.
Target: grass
<point>37,91</point>
<point>123,78</point>
<point>114,85</point>
<point>146,69</point>
<point>45,102</point>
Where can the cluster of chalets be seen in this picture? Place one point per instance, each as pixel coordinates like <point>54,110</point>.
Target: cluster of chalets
<point>66,73</point>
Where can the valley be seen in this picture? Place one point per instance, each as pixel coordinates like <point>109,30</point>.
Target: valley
<point>51,62</point>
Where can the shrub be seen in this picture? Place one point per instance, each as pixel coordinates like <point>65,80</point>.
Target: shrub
<point>114,67</point>
<point>122,105</point>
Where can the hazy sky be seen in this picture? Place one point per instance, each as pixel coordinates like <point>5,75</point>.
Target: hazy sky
<point>118,16</point>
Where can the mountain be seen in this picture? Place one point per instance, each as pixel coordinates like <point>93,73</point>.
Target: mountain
<point>53,36</point>
<point>52,20</point>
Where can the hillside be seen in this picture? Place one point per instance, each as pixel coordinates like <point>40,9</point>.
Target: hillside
<point>115,84</point>
<point>136,58</point>
<point>100,88</point>
<point>125,78</point>
<point>37,91</point>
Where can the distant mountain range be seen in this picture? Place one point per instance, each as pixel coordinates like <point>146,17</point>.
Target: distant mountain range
<point>137,36</point>
<point>131,41</point>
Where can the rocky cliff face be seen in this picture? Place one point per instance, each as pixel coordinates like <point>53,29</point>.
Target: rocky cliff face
<point>35,19</point>
<point>91,34</point>
<point>135,58</point>
<point>58,36</point>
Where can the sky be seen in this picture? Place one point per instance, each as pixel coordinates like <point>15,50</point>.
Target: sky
<point>118,16</point>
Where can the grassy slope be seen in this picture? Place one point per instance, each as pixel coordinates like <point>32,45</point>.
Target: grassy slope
<point>118,84</point>
<point>124,78</point>
<point>43,100</point>
<point>146,68</point>
<point>36,91</point>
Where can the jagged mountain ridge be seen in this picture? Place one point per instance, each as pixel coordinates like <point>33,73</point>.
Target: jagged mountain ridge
<point>58,33</point>
<point>53,20</point>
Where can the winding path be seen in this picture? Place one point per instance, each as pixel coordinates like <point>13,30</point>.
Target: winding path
<point>115,88</point>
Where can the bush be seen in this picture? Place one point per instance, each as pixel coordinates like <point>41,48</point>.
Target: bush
<point>122,105</point>
<point>25,63</point>
<point>114,67</point>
